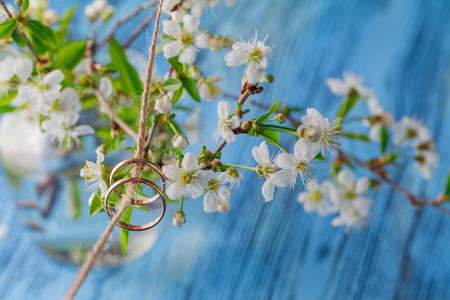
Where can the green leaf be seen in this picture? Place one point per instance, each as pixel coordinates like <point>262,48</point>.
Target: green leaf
<point>357,136</point>
<point>129,78</point>
<point>96,205</point>
<point>25,5</point>
<point>188,84</point>
<point>348,104</point>
<point>447,187</point>
<point>43,33</point>
<point>177,151</point>
<point>20,41</point>
<point>267,114</point>
<point>70,55</point>
<point>176,65</point>
<point>64,22</point>
<point>384,137</point>
<point>74,199</point>
<point>171,85</point>
<point>177,95</point>
<point>274,135</point>
<point>7,27</point>
<point>126,217</point>
<point>270,139</point>
<point>7,109</point>
<point>5,100</point>
<point>191,88</point>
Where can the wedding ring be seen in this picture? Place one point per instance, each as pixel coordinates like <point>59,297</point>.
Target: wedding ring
<point>140,161</point>
<point>140,180</point>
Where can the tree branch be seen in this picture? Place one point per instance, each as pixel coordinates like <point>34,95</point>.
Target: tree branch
<point>125,19</point>
<point>139,29</point>
<point>101,99</point>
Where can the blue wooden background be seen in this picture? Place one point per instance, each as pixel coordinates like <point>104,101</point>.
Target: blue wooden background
<point>275,250</point>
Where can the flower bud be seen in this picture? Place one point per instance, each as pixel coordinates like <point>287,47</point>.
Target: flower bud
<point>269,78</point>
<point>215,43</point>
<point>107,13</point>
<point>280,118</point>
<point>246,125</point>
<point>227,42</point>
<point>91,12</point>
<point>18,3</point>
<point>163,104</point>
<point>180,141</point>
<point>179,218</point>
<point>205,156</point>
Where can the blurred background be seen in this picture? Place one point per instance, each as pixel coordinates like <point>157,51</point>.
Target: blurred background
<point>275,250</point>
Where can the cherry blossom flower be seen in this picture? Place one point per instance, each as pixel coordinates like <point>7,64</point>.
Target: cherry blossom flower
<point>187,178</point>
<point>62,127</point>
<point>255,54</point>
<point>320,131</point>
<point>315,197</point>
<point>183,39</point>
<point>179,219</point>
<point>265,169</point>
<point>350,83</point>
<point>226,124</point>
<point>208,90</point>
<point>295,164</point>
<point>426,162</point>
<point>405,130</point>
<point>232,177</point>
<point>93,176</point>
<point>350,201</point>
<point>378,120</point>
<point>217,197</point>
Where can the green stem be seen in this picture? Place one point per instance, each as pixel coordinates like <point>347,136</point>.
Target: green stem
<point>239,166</point>
<point>174,128</point>
<point>181,203</point>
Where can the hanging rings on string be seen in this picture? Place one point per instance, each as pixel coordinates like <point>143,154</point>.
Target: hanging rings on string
<point>142,162</point>
<point>159,192</point>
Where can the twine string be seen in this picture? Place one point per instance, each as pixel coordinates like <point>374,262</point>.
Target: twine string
<point>87,265</point>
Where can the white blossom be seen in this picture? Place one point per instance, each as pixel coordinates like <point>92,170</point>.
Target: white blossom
<point>208,89</point>
<point>180,141</point>
<point>320,131</point>
<point>405,130</point>
<point>295,164</point>
<point>265,169</point>
<point>232,177</point>
<point>378,120</point>
<point>23,68</point>
<point>62,127</point>
<point>350,83</point>
<point>184,40</point>
<point>226,124</point>
<point>350,201</point>
<point>50,16</point>
<point>4,230</point>
<point>163,104</point>
<point>106,87</point>
<point>7,69</point>
<point>187,178</point>
<point>93,176</point>
<point>315,197</point>
<point>217,197</point>
<point>426,162</point>
<point>179,218</point>
<point>93,10</point>
<point>255,54</point>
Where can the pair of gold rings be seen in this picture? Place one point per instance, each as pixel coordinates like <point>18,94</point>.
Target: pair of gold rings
<point>159,195</point>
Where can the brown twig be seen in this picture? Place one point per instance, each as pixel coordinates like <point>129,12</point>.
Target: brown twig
<point>139,29</point>
<point>101,99</point>
<point>414,199</point>
<point>125,19</point>
<point>29,45</point>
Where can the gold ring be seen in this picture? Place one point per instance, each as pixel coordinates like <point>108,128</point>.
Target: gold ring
<point>142,162</point>
<point>130,226</point>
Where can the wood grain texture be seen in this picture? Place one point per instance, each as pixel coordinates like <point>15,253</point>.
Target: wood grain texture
<point>276,250</point>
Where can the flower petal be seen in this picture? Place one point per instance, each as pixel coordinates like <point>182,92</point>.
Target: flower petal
<point>171,28</point>
<point>210,203</point>
<point>172,49</point>
<point>267,190</point>
<point>171,172</point>
<point>175,190</point>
